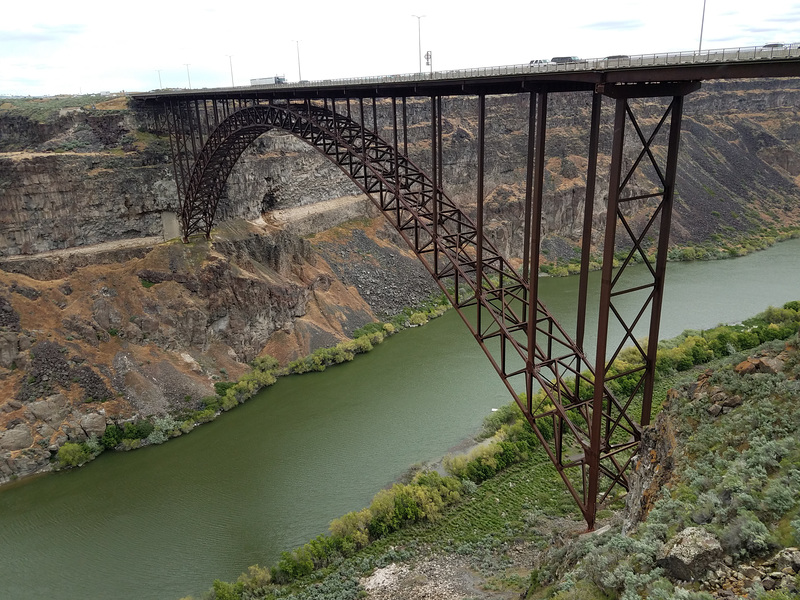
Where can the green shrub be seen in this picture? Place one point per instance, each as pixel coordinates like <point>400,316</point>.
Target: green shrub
<point>505,415</point>
<point>296,564</point>
<point>256,578</point>
<point>265,363</point>
<point>418,318</point>
<point>220,387</point>
<point>73,455</point>
<point>351,530</point>
<point>227,591</point>
<point>138,430</point>
<point>111,437</point>
<point>745,536</point>
<point>779,498</point>
<point>796,530</point>
<point>369,328</point>
<point>93,445</point>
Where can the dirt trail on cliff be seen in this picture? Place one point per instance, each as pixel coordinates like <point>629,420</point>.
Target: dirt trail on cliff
<point>145,242</point>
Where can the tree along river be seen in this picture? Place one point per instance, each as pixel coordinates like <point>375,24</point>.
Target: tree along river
<point>164,521</point>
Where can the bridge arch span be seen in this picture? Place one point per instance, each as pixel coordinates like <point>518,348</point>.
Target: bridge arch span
<point>497,304</point>
<point>347,144</point>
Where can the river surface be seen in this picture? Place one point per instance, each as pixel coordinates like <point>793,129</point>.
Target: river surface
<point>163,522</point>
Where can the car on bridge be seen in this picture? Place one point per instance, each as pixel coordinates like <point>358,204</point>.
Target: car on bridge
<point>775,50</point>
<point>540,62</point>
<point>560,60</point>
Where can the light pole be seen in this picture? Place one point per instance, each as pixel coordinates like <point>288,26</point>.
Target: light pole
<point>429,61</point>
<point>161,87</point>
<point>189,77</point>
<point>230,62</point>
<point>419,38</point>
<point>702,23</point>
<point>299,75</point>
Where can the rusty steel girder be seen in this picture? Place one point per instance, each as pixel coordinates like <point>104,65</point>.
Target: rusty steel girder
<point>588,433</point>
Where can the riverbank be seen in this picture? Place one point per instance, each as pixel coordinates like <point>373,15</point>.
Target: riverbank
<point>365,565</point>
<point>328,439</point>
<point>264,372</point>
<point>563,259</point>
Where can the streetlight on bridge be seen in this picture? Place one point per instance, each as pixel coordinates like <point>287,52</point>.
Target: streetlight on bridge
<point>189,77</point>
<point>419,38</point>
<point>230,62</point>
<point>702,23</point>
<point>299,75</point>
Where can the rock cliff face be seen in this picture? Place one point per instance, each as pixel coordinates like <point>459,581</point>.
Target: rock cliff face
<point>89,177</point>
<point>135,328</point>
<point>93,345</point>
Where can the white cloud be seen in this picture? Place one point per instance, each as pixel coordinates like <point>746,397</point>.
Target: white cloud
<point>52,47</point>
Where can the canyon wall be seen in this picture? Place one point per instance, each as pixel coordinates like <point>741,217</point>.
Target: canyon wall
<point>88,178</point>
<point>103,320</point>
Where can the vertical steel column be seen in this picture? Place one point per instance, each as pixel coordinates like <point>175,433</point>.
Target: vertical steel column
<point>169,115</point>
<point>405,129</point>
<point>437,194</point>
<point>205,113</point>
<point>479,216</point>
<point>535,235</point>
<point>661,258</point>
<point>405,158</point>
<point>187,159</point>
<point>588,211</point>
<point>435,123</point>
<point>396,153</point>
<point>529,186</point>
<point>597,442</point>
<point>441,162</point>
<point>363,139</point>
<point>199,126</point>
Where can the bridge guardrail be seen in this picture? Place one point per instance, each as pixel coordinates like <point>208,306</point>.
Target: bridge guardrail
<point>749,53</point>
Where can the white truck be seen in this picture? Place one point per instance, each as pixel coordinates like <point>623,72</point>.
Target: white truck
<point>268,80</point>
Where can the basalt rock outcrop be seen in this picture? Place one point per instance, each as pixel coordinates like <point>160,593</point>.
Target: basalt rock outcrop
<point>113,343</point>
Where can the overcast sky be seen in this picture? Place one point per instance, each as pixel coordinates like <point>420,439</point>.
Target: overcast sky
<point>52,47</point>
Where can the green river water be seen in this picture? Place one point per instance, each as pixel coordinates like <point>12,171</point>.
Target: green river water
<point>163,522</point>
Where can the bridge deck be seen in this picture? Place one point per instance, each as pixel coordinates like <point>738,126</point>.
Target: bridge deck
<point>736,63</point>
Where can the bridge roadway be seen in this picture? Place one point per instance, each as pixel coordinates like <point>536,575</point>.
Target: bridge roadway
<point>589,433</point>
<point>581,75</point>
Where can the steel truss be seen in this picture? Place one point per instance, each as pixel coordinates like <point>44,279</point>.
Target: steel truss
<point>588,433</point>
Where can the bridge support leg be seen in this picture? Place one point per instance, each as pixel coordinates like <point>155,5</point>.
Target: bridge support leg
<point>637,215</point>
<point>533,208</point>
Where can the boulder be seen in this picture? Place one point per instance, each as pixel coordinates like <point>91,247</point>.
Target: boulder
<point>787,558</point>
<point>766,364</point>
<point>52,410</point>
<point>93,424</point>
<point>9,348</point>
<point>689,554</point>
<point>16,439</point>
<point>106,315</point>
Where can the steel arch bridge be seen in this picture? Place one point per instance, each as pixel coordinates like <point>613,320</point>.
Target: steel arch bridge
<point>589,433</point>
